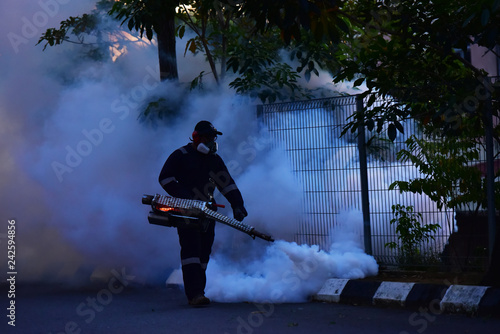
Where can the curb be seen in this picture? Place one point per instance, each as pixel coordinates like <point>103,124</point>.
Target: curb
<point>435,298</point>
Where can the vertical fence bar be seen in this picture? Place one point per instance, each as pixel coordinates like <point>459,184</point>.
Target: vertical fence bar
<point>363,173</point>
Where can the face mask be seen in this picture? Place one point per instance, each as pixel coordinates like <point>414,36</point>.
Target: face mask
<point>206,148</point>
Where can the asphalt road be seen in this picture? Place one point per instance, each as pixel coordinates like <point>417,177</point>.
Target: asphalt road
<point>139,309</point>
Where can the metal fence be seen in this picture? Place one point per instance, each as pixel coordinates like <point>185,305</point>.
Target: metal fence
<point>328,168</point>
<point>308,132</point>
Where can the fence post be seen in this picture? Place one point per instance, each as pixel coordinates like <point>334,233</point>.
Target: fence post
<point>490,179</point>
<point>363,171</point>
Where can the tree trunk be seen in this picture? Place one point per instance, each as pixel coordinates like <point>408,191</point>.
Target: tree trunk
<point>165,32</point>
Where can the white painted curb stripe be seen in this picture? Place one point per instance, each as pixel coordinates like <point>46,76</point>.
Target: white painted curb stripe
<point>331,290</point>
<point>462,298</point>
<point>389,292</point>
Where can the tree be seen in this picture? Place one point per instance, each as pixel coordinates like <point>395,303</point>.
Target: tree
<point>153,16</point>
<point>212,24</point>
<point>413,53</point>
<point>410,54</point>
<point>406,50</point>
<point>85,30</point>
<point>148,17</point>
<point>225,39</point>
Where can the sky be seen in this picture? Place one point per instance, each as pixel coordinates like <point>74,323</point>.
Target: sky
<point>76,162</point>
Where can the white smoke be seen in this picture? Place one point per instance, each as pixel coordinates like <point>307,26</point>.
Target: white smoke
<point>287,272</point>
<point>76,162</point>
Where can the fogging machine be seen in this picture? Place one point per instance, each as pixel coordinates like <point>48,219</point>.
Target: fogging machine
<point>179,212</point>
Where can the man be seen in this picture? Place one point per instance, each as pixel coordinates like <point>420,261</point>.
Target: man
<point>193,172</point>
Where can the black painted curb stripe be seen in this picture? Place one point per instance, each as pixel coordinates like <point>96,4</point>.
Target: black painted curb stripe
<point>359,292</point>
<point>426,296</point>
<point>490,303</point>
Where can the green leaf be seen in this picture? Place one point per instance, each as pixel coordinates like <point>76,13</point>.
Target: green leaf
<point>370,124</point>
<point>307,75</point>
<point>467,21</point>
<point>235,65</point>
<point>358,82</point>
<point>380,125</point>
<point>371,100</point>
<point>391,245</point>
<point>399,126</point>
<point>342,25</point>
<point>192,46</point>
<point>495,6</point>
<point>310,65</point>
<point>392,132</point>
<point>485,16</point>
<point>182,30</point>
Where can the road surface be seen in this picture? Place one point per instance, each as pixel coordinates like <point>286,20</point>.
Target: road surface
<point>139,309</point>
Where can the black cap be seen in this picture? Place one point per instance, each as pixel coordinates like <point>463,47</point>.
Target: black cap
<point>206,128</point>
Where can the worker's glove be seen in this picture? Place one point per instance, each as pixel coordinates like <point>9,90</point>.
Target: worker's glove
<point>239,213</point>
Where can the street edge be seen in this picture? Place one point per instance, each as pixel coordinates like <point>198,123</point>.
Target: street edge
<point>439,298</point>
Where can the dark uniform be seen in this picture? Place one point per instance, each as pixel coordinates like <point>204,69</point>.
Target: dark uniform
<point>189,174</point>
